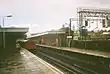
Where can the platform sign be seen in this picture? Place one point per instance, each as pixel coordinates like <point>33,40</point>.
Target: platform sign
<point>69,37</point>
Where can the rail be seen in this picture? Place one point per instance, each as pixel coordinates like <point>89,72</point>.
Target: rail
<point>72,62</point>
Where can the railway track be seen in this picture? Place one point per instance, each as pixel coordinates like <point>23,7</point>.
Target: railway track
<point>67,67</point>
<point>69,64</point>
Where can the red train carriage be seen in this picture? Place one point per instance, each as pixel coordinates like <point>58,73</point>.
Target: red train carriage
<point>28,44</point>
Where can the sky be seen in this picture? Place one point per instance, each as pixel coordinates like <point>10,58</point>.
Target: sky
<point>43,15</point>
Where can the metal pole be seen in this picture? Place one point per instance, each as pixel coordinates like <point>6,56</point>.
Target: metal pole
<point>4,39</point>
<point>70,27</point>
<point>3,34</point>
<point>70,32</point>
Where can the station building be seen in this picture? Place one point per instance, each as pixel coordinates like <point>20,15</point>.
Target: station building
<point>8,37</point>
<point>52,38</point>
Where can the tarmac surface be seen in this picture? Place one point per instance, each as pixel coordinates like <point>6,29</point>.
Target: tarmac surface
<point>24,62</point>
<point>82,51</point>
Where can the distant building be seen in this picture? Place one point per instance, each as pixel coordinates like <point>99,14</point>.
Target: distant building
<point>53,37</point>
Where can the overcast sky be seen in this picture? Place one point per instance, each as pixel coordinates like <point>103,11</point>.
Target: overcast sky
<point>42,15</point>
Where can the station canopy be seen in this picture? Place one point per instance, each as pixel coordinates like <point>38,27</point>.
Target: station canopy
<point>9,29</point>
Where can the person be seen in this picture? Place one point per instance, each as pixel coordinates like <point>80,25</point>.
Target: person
<point>42,41</point>
<point>57,44</point>
<point>18,46</point>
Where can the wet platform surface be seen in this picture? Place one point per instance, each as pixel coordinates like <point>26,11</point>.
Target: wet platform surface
<point>24,62</point>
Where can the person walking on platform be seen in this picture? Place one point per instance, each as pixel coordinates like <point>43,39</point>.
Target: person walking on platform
<point>18,46</point>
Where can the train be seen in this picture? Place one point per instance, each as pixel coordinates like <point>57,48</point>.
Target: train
<point>27,44</point>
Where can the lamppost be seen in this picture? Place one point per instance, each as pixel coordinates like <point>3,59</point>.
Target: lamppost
<point>4,29</point>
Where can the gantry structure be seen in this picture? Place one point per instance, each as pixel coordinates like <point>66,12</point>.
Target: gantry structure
<point>84,14</point>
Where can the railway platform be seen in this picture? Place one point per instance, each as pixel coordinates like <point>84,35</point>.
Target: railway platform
<point>88,52</point>
<point>82,51</point>
<point>24,62</point>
